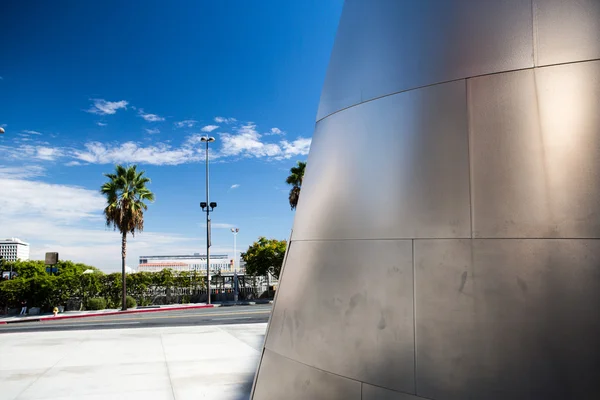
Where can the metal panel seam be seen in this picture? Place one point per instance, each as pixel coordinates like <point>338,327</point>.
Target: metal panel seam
<point>414,279</point>
<point>454,80</point>
<point>470,155</point>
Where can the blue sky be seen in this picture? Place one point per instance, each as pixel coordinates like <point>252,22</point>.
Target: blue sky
<point>85,85</point>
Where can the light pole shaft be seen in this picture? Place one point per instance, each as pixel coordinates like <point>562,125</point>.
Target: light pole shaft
<point>235,282</point>
<point>207,231</point>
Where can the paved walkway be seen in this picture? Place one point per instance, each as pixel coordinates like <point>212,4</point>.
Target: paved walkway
<point>201,362</point>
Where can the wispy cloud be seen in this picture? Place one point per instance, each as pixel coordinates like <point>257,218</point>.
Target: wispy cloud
<point>158,154</point>
<point>188,123</point>
<point>103,107</point>
<point>54,201</point>
<point>209,128</point>
<point>1,78</point>
<point>150,117</point>
<point>101,124</point>
<point>73,163</point>
<point>223,120</point>
<point>153,131</point>
<point>26,171</point>
<point>32,132</point>
<point>234,186</point>
<point>245,141</point>
<point>32,152</point>
<point>275,131</point>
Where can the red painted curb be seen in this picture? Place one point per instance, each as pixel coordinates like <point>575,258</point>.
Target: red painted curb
<point>2,322</point>
<point>125,312</point>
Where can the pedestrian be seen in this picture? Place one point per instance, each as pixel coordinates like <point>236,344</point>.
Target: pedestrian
<point>23,307</point>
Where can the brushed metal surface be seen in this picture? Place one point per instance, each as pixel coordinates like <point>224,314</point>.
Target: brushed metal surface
<point>387,46</point>
<point>282,378</point>
<point>535,152</point>
<point>370,392</point>
<point>342,299</point>
<point>501,318</point>
<point>397,167</point>
<point>566,30</point>
<point>569,108</point>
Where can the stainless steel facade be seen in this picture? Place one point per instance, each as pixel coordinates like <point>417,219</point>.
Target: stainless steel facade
<point>446,243</point>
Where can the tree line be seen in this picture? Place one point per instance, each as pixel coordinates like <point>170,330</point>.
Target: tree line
<point>75,284</point>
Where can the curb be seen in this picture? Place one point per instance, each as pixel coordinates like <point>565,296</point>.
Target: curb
<point>134,311</point>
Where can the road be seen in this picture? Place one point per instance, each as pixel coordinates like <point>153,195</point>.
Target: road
<point>205,316</point>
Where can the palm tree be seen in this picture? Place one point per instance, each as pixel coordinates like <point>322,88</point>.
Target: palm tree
<point>125,194</point>
<point>295,179</point>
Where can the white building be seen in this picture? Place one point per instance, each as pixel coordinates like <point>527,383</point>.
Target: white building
<point>14,249</point>
<point>196,262</point>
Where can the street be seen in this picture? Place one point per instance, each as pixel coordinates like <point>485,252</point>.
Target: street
<point>194,317</point>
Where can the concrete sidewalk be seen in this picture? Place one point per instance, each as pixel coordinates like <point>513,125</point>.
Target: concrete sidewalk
<point>174,363</point>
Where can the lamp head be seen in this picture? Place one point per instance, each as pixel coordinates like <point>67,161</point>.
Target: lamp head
<point>203,205</point>
<point>213,204</point>
<point>1,130</point>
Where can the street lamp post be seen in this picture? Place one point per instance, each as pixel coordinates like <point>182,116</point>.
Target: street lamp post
<point>235,277</point>
<point>209,207</point>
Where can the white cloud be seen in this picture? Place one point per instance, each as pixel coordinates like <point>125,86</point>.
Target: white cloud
<point>276,131</point>
<point>43,200</point>
<point>103,107</point>
<point>159,154</point>
<point>32,132</point>
<point>150,117</point>
<point>223,120</point>
<point>189,123</point>
<point>153,131</point>
<point>101,124</point>
<point>298,147</point>
<point>244,142</point>
<point>27,171</point>
<point>73,163</point>
<point>247,142</point>
<point>31,152</point>
<point>209,128</point>
<point>235,186</point>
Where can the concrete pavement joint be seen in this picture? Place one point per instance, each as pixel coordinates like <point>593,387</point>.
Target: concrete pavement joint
<point>162,344</point>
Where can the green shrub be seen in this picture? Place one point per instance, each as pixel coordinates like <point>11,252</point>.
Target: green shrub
<point>130,302</point>
<point>97,303</point>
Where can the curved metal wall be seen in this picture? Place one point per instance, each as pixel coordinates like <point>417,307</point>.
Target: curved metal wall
<point>446,242</point>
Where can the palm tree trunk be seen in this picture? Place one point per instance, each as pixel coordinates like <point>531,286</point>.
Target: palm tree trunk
<point>123,254</point>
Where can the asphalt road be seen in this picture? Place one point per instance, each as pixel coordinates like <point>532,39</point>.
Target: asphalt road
<point>204,316</point>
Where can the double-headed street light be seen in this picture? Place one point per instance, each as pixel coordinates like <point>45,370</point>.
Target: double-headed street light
<point>235,277</point>
<point>208,207</point>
